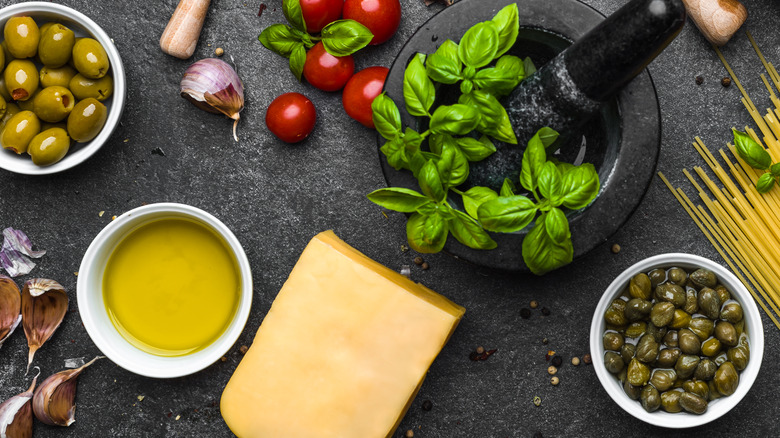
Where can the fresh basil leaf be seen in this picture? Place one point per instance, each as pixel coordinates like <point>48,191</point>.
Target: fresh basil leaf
<point>297,59</point>
<point>534,158</point>
<point>430,181</point>
<point>528,66</point>
<point>506,214</point>
<point>294,14</point>
<point>541,253</point>
<point>387,118</point>
<point>398,199</point>
<point>452,165</point>
<point>416,162</point>
<point>750,151</point>
<point>419,92</point>
<point>469,72</point>
<point>476,196</point>
<point>395,152</point>
<point>479,44</point>
<point>503,130</point>
<point>345,37</point>
<point>580,186</point>
<point>551,183</point>
<point>775,169</point>
<point>501,79</point>
<point>564,167</point>
<point>493,119</point>
<point>765,183</point>
<point>428,209</point>
<point>469,232</point>
<point>454,119</point>
<point>280,39</point>
<point>444,66</point>
<point>475,150</point>
<point>548,136</point>
<point>305,37</point>
<point>557,226</point>
<point>467,86</point>
<point>507,188</point>
<point>436,141</point>
<point>426,234</point>
<point>412,140</point>
<point>508,25</point>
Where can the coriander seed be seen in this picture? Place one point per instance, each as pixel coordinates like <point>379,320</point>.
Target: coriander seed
<point>425,266</point>
<point>418,260</point>
<point>555,380</point>
<point>409,433</point>
<point>552,370</point>
<point>220,51</point>
<point>537,401</point>
<point>480,350</point>
<point>575,361</point>
<point>534,304</point>
<point>725,82</point>
<point>615,248</point>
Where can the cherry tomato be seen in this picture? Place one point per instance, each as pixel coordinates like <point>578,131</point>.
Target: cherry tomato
<point>319,13</point>
<point>381,17</point>
<point>325,71</point>
<point>360,91</point>
<point>291,117</point>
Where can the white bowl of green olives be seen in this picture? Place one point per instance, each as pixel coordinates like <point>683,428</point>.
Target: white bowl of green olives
<point>62,84</point>
<point>677,340</point>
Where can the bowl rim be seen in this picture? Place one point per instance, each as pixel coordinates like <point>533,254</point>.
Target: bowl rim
<point>153,365</point>
<point>746,378</point>
<point>118,98</point>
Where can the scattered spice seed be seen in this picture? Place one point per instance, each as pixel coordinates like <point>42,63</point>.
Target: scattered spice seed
<point>557,361</point>
<point>587,359</point>
<point>725,82</point>
<point>575,361</point>
<point>140,398</point>
<point>537,401</point>
<point>534,304</point>
<point>550,354</point>
<point>699,80</point>
<point>525,313</point>
<point>178,417</point>
<point>545,311</point>
<point>418,260</point>
<point>551,370</point>
<point>223,359</point>
<point>481,356</point>
<point>404,248</point>
<point>409,433</point>
<point>615,248</point>
<point>545,341</point>
<point>538,435</point>
<point>262,8</point>
<point>102,212</point>
<point>555,380</point>
<point>480,350</point>
<point>427,405</point>
<point>243,349</point>
<point>425,266</point>
<point>219,51</point>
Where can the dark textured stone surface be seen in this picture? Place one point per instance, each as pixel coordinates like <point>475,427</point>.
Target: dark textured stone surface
<point>275,197</point>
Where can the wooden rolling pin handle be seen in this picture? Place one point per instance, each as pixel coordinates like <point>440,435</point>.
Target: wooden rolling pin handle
<point>717,20</point>
<point>181,35</point>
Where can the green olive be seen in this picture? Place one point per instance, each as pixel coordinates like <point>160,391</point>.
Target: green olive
<point>627,352</point>
<point>45,26</point>
<point>657,276</point>
<point>670,401</point>
<point>56,45</point>
<point>705,370</point>
<point>697,387</point>
<point>726,379</point>
<point>704,278</point>
<point>723,293</point>
<point>21,79</point>
<point>709,303</point>
<point>663,379</point>
<point>726,333</point>
<point>711,347</point>
<point>19,131</point>
<point>86,120</point>
<point>90,58</point>
<point>613,362</point>
<point>662,314</point>
<point>613,341</point>
<point>647,349</point>
<point>61,76</point>
<point>677,276</point>
<point>650,398</point>
<point>7,56</point>
<point>680,319</point>
<point>703,327</point>
<point>672,339</point>
<point>11,109</point>
<point>615,314</point>
<point>4,90</point>
<point>22,36</point>
<point>638,374</point>
<point>100,89</point>
<point>739,356</point>
<point>691,301</point>
<point>53,104</point>
<point>686,365</point>
<point>731,312</point>
<point>668,357</point>
<point>637,309</point>
<point>693,403</point>
<point>49,146</point>
<point>689,342</point>
<point>639,287</point>
<point>671,293</point>
<point>29,104</point>
<point>3,107</point>
<point>636,329</point>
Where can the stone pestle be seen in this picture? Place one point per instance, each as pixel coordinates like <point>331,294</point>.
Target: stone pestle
<point>569,91</point>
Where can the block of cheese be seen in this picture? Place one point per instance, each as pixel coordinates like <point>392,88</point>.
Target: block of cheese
<point>342,351</point>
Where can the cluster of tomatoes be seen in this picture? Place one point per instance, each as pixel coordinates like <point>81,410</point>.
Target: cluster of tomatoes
<point>291,116</point>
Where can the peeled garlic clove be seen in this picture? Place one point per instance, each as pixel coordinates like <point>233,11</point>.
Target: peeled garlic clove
<point>44,303</point>
<point>53,402</point>
<point>10,306</point>
<point>16,415</point>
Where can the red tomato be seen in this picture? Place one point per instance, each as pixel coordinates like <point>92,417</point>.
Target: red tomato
<point>325,71</point>
<point>318,13</point>
<point>381,17</point>
<point>291,117</point>
<point>360,91</point>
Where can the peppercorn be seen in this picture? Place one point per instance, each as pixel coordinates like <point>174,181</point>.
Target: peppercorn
<point>537,401</point>
<point>409,433</point>
<point>575,361</point>
<point>555,380</point>
<point>427,405</point>
<point>425,266</point>
<point>525,313</point>
<point>480,350</point>
<point>552,370</point>
<point>418,260</point>
<point>615,248</point>
<point>219,52</point>
<point>725,82</point>
<point>545,311</point>
<point>699,80</point>
<point>534,304</point>
<point>557,361</point>
<point>587,359</point>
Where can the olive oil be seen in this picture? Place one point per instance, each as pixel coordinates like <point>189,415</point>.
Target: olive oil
<point>171,287</point>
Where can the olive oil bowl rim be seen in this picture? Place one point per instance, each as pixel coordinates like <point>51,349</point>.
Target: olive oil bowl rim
<point>94,313</point>
<point>717,408</point>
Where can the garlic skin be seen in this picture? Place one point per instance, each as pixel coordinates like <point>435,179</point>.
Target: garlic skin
<point>16,415</point>
<point>44,304</point>
<point>54,401</point>
<point>10,307</point>
<point>212,85</point>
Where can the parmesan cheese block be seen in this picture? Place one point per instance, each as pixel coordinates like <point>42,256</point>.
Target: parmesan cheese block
<point>341,353</point>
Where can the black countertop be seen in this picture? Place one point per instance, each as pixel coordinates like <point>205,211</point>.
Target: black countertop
<point>275,197</point>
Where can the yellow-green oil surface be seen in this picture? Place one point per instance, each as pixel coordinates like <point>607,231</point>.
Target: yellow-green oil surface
<point>171,287</point>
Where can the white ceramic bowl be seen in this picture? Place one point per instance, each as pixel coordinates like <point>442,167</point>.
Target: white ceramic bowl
<point>82,26</point>
<point>753,327</point>
<point>93,309</point>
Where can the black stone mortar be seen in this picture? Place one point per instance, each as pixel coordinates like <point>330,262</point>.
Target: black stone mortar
<point>622,138</point>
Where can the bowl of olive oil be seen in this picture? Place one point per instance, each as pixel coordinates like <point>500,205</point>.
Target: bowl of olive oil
<point>164,290</point>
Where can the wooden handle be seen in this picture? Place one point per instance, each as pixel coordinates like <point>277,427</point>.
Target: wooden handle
<point>717,20</point>
<point>181,35</point>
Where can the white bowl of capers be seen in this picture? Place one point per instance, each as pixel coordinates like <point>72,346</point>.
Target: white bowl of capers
<point>677,340</point>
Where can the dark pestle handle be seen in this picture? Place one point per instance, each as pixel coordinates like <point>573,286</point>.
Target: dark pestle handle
<point>609,56</point>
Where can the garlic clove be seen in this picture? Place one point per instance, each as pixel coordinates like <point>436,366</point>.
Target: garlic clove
<point>16,415</point>
<point>53,401</point>
<point>10,306</point>
<point>44,304</point>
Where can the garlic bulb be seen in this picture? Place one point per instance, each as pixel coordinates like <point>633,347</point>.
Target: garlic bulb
<point>54,401</point>
<point>16,415</point>
<point>44,304</point>
<point>10,306</point>
<point>212,85</point>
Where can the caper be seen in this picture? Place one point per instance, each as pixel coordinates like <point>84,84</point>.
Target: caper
<point>705,370</point>
<point>657,276</point>
<point>647,349</point>
<point>680,319</point>
<point>615,314</point>
<point>721,358</point>
<point>704,278</point>
<point>723,293</point>
<point>613,362</point>
<point>670,401</point>
<point>691,301</point>
<point>651,399</point>
<point>739,356</point>
<point>621,376</point>
<point>711,347</point>
<point>639,286</point>
<point>714,394</point>
<point>671,339</point>
<point>726,379</point>
<point>658,333</point>
<point>740,327</point>
<point>703,327</point>
<point>726,333</point>
<point>697,387</point>
<point>638,373</point>
<point>636,329</point>
<point>709,303</point>
<point>668,357</point>
<point>627,352</point>
<point>693,403</point>
<point>663,379</point>
<point>686,365</point>
<point>677,276</point>
<point>633,392</point>
<point>671,293</point>
<point>689,342</point>
<point>613,341</point>
<point>662,314</point>
<point>637,309</point>
<point>731,312</point>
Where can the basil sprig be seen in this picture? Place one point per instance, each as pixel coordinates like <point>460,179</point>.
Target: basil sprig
<point>757,157</point>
